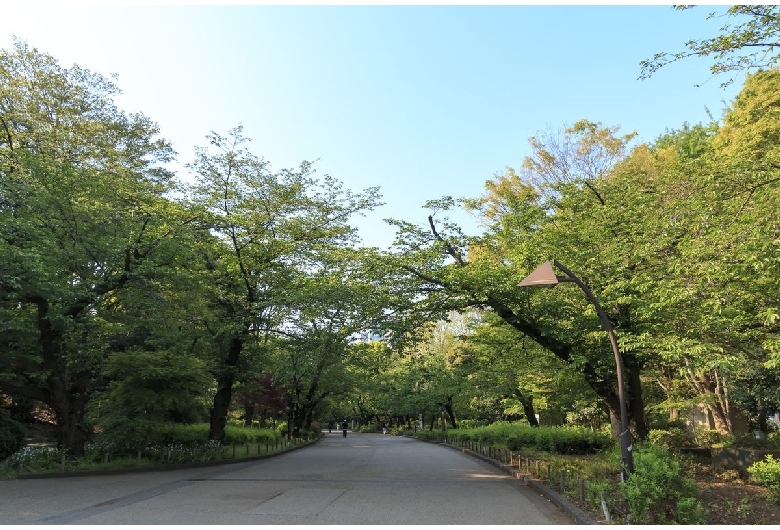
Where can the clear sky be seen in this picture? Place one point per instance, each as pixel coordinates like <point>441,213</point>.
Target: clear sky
<point>423,101</point>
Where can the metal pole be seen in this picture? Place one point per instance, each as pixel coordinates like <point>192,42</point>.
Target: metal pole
<point>627,460</point>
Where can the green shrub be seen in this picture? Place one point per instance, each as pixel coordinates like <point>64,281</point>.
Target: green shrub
<point>147,390</point>
<point>749,441</point>
<point>471,424</point>
<point>250,435</point>
<point>433,435</point>
<point>657,491</point>
<point>709,438</point>
<point>11,435</point>
<point>179,433</point>
<point>515,437</point>
<point>39,458</point>
<point>767,473</point>
<point>672,438</point>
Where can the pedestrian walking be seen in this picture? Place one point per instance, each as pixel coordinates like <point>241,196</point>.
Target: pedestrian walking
<point>344,428</point>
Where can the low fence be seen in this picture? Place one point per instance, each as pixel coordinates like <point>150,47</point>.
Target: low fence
<point>603,498</point>
<point>46,460</point>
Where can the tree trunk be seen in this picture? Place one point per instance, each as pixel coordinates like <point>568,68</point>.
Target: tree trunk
<point>528,407</point>
<point>66,392</point>
<point>249,415</point>
<point>224,393</point>
<point>450,413</point>
<point>763,424</point>
<point>634,400</point>
<point>720,420</point>
<point>69,403</point>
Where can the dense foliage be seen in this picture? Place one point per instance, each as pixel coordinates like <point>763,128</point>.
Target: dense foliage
<point>767,473</point>
<point>11,435</point>
<point>572,440</point>
<point>131,301</point>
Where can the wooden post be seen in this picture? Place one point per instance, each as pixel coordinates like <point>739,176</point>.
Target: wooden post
<point>539,468</point>
<point>549,474</point>
<point>605,509</point>
<point>581,484</point>
<point>562,474</point>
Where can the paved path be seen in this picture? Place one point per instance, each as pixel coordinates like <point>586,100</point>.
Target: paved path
<point>362,479</point>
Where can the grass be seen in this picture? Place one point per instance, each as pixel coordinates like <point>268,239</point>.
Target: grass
<point>176,445</point>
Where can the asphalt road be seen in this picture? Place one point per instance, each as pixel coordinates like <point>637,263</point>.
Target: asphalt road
<point>366,479</point>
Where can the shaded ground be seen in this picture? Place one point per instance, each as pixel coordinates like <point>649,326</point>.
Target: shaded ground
<point>728,499</point>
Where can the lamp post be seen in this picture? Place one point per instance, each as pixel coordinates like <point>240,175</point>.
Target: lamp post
<point>544,276</point>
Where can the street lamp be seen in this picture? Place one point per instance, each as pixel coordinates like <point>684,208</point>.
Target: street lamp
<point>544,276</point>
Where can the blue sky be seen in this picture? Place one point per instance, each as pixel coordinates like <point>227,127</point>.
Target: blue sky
<point>423,101</point>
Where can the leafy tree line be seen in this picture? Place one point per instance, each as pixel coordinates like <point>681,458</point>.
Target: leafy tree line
<point>129,299</point>
<point>679,237</point>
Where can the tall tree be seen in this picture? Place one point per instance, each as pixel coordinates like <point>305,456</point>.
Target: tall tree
<point>82,211</point>
<point>343,297</point>
<point>455,271</point>
<point>273,227</point>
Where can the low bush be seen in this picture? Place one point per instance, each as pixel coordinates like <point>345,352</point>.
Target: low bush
<point>249,435</point>
<point>176,434</point>
<point>709,438</point>
<point>514,437</point>
<point>38,458</point>
<point>749,441</point>
<point>767,473</point>
<point>11,435</point>
<point>658,492</point>
<point>672,438</point>
<point>179,433</point>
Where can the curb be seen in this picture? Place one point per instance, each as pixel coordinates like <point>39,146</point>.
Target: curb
<point>164,467</point>
<point>553,496</point>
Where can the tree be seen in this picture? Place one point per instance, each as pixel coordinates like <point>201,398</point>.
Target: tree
<point>746,46</point>
<point>453,271</point>
<point>517,379</point>
<point>148,389</point>
<point>82,213</point>
<point>272,227</point>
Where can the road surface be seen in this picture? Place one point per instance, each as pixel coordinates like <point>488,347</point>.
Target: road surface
<point>366,479</point>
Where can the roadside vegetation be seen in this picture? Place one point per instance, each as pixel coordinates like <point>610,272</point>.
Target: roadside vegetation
<point>175,444</point>
<point>153,317</point>
<point>667,487</point>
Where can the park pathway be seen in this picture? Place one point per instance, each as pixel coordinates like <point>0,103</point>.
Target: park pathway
<point>364,479</point>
